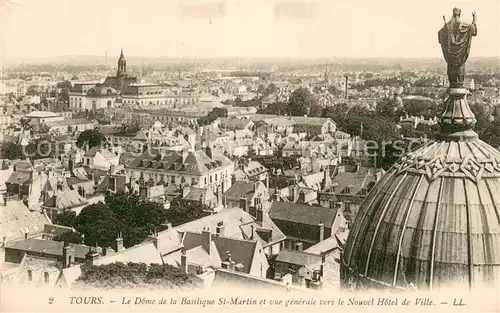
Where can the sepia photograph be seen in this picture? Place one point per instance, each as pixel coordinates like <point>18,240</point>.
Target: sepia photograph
<point>249,155</point>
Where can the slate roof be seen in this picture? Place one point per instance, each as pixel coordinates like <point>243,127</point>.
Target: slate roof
<point>19,178</point>
<point>48,247</point>
<point>196,162</point>
<point>65,200</point>
<point>16,219</point>
<point>240,189</point>
<point>298,258</point>
<point>303,214</point>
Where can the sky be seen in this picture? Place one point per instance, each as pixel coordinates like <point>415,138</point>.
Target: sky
<point>239,28</point>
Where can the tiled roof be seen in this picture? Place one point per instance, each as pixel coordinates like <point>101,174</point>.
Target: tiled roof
<point>303,214</point>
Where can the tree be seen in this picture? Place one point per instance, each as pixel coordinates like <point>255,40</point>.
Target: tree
<point>136,275</point>
<point>136,218</point>
<point>90,137</point>
<point>278,181</point>
<point>491,134</point>
<point>278,108</point>
<point>301,101</point>
<point>71,237</point>
<point>66,218</point>
<point>207,120</point>
<point>184,212</point>
<point>13,151</point>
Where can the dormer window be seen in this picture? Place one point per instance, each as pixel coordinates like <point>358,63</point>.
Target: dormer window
<point>30,275</point>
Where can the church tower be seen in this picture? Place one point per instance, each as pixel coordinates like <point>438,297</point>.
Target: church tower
<point>122,65</point>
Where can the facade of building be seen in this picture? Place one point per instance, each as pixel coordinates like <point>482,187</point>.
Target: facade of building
<point>204,168</point>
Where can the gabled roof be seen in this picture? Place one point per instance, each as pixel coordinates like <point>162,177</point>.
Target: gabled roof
<point>65,200</point>
<point>16,220</point>
<point>303,214</point>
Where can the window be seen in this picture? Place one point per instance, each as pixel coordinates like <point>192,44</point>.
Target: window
<point>46,277</point>
<point>30,275</point>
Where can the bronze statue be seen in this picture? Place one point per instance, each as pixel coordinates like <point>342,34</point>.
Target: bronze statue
<point>455,38</point>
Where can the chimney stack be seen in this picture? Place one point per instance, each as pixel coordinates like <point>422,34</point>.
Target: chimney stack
<point>244,204</point>
<point>207,239</point>
<point>68,255</point>
<point>119,243</point>
<point>321,231</point>
<point>91,257</point>
<point>252,235</point>
<point>299,246</point>
<point>112,183</point>
<point>260,214</point>
<point>184,264</point>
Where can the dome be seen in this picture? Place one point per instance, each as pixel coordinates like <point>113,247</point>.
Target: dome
<point>102,91</point>
<point>433,220</point>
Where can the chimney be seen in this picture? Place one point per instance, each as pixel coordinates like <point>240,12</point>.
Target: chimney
<point>228,264</point>
<point>299,246</point>
<point>91,257</point>
<point>233,179</point>
<point>260,214</point>
<point>71,165</point>
<point>296,193</point>
<point>206,239</point>
<point>244,204</point>
<point>220,229</point>
<point>346,87</point>
<point>321,231</point>
<point>112,183</point>
<point>220,201</point>
<point>119,243</point>
<point>252,235</point>
<point>68,255</point>
<point>255,186</point>
<point>208,152</point>
<point>184,264</point>
<point>4,199</point>
<point>277,196</point>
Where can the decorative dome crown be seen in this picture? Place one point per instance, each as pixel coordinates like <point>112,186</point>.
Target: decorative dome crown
<point>434,219</point>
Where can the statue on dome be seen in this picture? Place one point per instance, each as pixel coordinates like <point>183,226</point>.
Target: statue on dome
<point>455,39</point>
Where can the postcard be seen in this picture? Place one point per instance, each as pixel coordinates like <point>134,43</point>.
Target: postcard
<point>244,156</point>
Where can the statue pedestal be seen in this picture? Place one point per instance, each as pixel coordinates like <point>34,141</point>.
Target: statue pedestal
<point>458,119</point>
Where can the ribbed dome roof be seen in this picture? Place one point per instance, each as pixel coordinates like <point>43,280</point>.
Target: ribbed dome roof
<point>433,219</point>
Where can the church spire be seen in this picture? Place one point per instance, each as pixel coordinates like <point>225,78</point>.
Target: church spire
<point>122,65</point>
